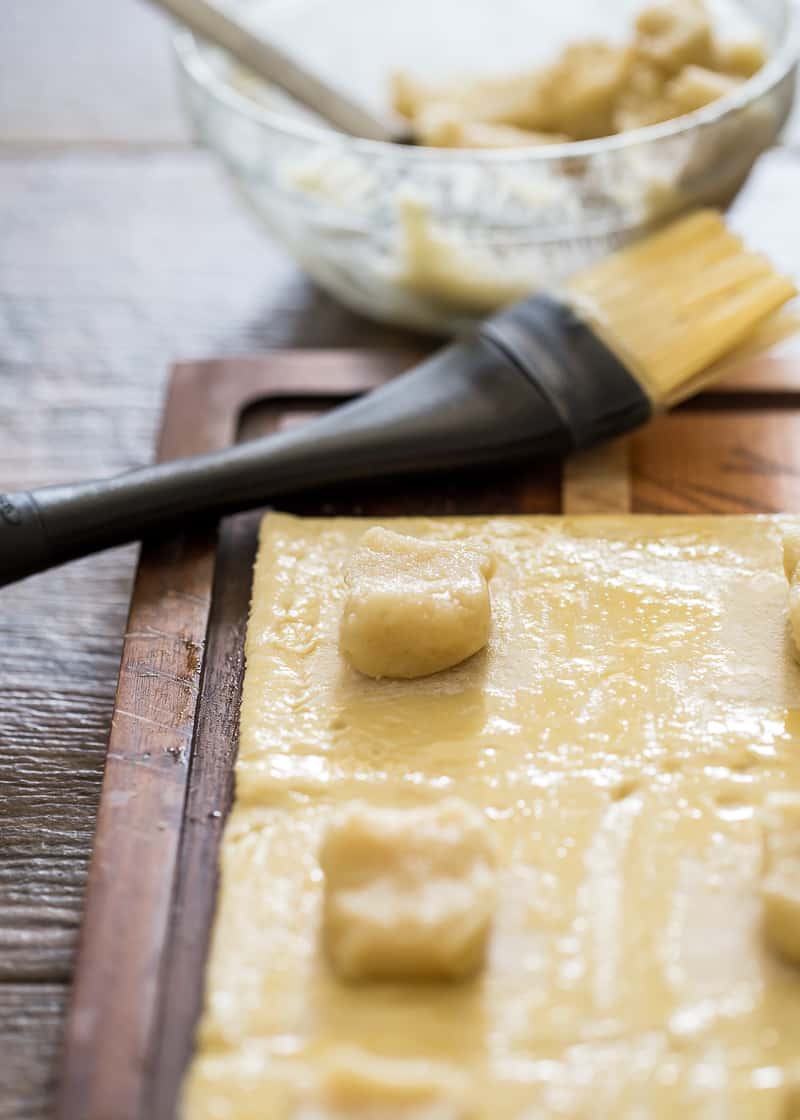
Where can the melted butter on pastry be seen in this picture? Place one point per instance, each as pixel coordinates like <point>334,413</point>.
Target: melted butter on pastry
<point>780,890</point>
<point>791,566</point>
<point>636,704</point>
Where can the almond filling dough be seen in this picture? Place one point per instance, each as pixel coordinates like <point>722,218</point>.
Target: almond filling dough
<point>673,64</point>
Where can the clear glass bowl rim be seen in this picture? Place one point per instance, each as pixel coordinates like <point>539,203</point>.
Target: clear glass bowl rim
<point>191,57</point>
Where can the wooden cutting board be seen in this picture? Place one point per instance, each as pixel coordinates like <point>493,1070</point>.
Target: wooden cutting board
<point>168,779</point>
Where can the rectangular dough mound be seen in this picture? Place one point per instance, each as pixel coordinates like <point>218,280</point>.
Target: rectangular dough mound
<point>637,702</point>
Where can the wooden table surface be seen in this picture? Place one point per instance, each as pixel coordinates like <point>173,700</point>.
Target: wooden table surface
<point>122,248</point>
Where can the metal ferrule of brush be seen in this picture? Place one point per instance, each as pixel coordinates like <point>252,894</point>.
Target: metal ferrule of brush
<point>590,391</point>
<point>534,380</point>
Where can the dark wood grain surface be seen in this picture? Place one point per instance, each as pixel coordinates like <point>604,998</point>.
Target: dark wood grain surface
<point>122,248</point>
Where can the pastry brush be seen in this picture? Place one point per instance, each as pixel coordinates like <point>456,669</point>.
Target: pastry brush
<point>634,334</point>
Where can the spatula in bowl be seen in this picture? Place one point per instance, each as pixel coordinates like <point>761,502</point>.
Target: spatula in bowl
<point>269,62</point>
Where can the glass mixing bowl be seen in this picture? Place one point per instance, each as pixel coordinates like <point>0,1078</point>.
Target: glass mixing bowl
<point>433,238</point>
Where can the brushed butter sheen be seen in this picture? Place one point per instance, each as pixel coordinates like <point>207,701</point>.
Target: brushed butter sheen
<point>636,704</point>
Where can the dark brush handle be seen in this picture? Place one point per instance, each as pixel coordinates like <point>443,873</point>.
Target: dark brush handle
<point>465,405</point>
<point>535,381</point>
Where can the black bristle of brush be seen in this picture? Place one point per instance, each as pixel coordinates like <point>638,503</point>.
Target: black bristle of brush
<point>535,380</point>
